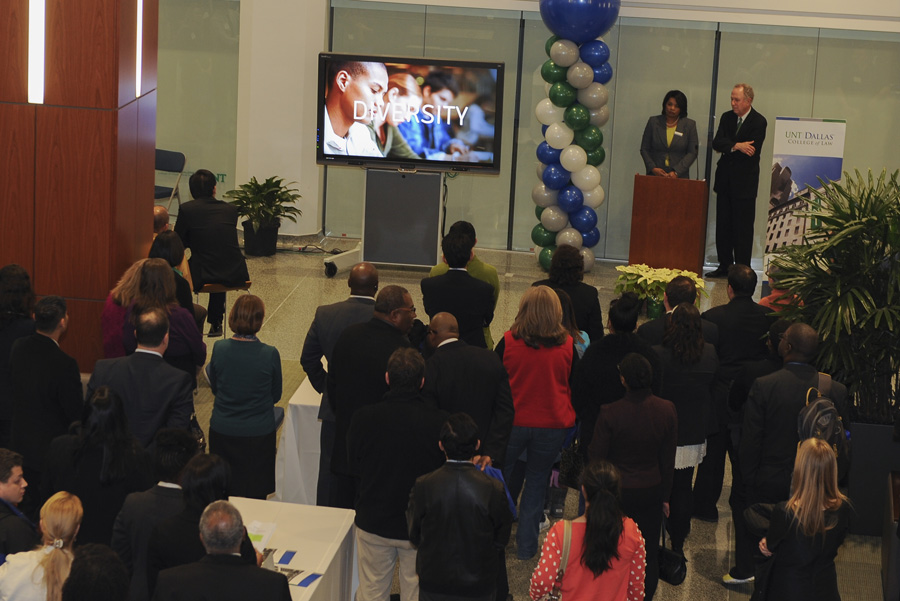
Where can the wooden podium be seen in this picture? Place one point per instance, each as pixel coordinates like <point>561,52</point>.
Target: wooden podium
<point>668,222</point>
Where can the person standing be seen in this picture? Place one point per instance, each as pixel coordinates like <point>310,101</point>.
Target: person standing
<point>669,145</point>
<point>739,139</point>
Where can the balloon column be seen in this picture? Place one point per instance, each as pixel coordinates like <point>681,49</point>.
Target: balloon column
<point>569,191</point>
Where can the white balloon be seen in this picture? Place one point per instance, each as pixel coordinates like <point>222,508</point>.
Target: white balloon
<point>559,135</point>
<point>600,116</point>
<point>537,253</point>
<point>547,86</point>
<point>594,198</point>
<point>543,196</point>
<point>554,219</point>
<point>586,179</point>
<point>547,112</point>
<point>589,259</point>
<point>564,53</point>
<point>540,170</point>
<point>593,96</point>
<point>569,236</point>
<point>580,75</point>
<point>573,158</point>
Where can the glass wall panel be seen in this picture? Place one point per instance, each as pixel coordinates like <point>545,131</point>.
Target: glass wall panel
<point>197,85</point>
<point>779,63</point>
<point>858,79</point>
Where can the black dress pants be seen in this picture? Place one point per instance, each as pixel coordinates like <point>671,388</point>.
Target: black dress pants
<point>644,506</point>
<point>734,229</point>
<point>216,308</point>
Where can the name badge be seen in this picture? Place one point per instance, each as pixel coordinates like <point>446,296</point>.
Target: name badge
<point>678,133</point>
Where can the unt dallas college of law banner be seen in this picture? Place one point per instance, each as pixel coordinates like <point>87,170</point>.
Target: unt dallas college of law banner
<point>805,150</point>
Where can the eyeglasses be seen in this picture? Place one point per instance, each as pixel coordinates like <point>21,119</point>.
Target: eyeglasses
<point>410,309</point>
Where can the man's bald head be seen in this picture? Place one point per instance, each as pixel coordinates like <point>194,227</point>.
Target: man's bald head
<point>363,279</point>
<point>443,327</point>
<point>160,219</point>
<point>799,343</point>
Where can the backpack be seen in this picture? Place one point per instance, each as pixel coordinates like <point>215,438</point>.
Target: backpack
<point>819,418</point>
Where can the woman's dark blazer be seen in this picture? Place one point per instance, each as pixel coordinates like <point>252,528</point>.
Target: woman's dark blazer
<point>689,387</point>
<point>682,153</point>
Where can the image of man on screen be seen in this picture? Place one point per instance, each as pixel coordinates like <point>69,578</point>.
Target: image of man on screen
<point>354,93</point>
<point>431,135</point>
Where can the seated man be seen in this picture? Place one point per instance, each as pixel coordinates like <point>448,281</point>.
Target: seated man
<point>429,132</point>
<point>221,574</point>
<point>456,292</point>
<point>208,227</point>
<point>17,532</point>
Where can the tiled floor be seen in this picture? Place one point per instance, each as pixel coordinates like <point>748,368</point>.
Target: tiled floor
<point>292,285</point>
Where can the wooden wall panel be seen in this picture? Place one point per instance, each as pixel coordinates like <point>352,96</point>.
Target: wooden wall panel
<point>123,210</point>
<point>84,339</point>
<point>151,45</point>
<point>73,199</point>
<point>146,173</point>
<point>17,185</point>
<point>127,51</point>
<point>14,51</point>
<point>81,53</point>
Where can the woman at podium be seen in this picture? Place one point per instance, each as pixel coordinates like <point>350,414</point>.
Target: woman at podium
<point>669,146</point>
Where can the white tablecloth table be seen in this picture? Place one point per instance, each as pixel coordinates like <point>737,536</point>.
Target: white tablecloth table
<point>323,539</point>
<point>297,462</point>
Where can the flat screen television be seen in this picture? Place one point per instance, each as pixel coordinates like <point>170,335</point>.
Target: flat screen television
<point>409,113</point>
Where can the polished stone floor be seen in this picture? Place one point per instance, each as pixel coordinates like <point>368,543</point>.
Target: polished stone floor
<point>293,284</point>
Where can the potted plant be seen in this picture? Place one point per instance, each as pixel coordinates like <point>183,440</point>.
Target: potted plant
<point>264,205</point>
<point>650,283</point>
<point>847,274</point>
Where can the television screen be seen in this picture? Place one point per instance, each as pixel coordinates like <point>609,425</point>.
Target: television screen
<point>409,113</point>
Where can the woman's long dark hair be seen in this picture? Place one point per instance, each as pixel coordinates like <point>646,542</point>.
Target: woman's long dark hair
<point>684,334</point>
<point>206,478</point>
<point>16,294</point>
<point>603,492</point>
<point>104,425</point>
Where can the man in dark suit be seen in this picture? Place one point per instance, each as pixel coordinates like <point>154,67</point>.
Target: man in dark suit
<point>141,511</point>
<point>154,394</point>
<point>739,139</point>
<point>456,292</point>
<point>460,378</point>
<point>221,575</point>
<point>680,289</point>
<point>46,387</point>
<point>209,228</point>
<point>328,324</point>
<point>17,532</point>
<point>390,444</point>
<point>356,376</point>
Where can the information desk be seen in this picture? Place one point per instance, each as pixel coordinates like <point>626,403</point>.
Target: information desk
<point>322,539</point>
<point>297,462</point>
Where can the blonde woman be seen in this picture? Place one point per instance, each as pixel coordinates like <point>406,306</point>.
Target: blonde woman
<point>402,100</point>
<point>39,575</point>
<point>538,354</point>
<point>806,531</point>
<point>116,307</point>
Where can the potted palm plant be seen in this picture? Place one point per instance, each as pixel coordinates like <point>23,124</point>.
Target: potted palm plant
<point>847,273</point>
<point>264,205</point>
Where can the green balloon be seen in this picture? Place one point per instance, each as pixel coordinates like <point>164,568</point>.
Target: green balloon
<point>577,116</point>
<point>596,156</point>
<point>562,94</point>
<point>546,256</point>
<point>550,41</point>
<point>552,73</point>
<point>589,138</point>
<point>541,236</point>
<point>538,210</point>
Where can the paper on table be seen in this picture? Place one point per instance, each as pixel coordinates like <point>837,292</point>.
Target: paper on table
<point>260,533</point>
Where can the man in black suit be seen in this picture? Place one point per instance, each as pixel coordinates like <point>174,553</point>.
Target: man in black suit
<point>328,324</point>
<point>142,510</point>
<point>46,387</point>
<point>155,394</point>
<point>739,139</point>
<point>209,228</point>
<point>680,289</point>
<point>356,376</point>
<point>456,292</point>
<point>222,574</point>
<point>391,443</point>
<point>17,532</point>
<point>460,378</point>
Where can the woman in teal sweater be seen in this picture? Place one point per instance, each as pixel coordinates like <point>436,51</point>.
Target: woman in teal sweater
<point>245,376</point>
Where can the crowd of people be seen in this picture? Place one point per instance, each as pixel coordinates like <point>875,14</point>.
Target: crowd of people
<point>438,438</point>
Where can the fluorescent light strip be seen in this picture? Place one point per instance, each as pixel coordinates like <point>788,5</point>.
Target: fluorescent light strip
<point>36,27</point>
<point>138,55</point>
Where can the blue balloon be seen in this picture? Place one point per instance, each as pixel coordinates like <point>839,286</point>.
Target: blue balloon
<point>547,154</point>
<point>584,219</point>
<point>591,238</point>
<point>603,73</point>
<point>570,199</point>
<point>544,129</point>
<point>555,177</point>
<point>579,20</point>
<point>594,53</point>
